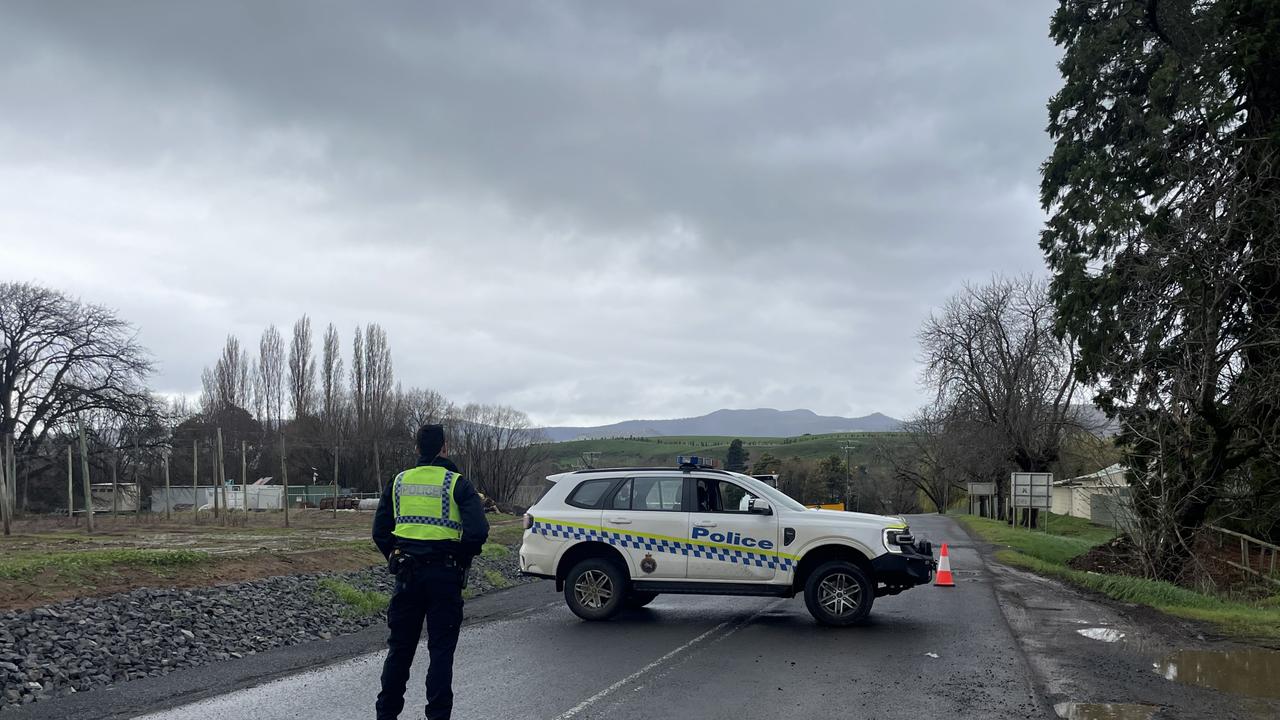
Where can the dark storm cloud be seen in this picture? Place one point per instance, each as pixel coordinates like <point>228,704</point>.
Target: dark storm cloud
<point>796,184</point>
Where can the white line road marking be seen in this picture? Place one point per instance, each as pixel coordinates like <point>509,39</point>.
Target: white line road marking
<point>571,712</point>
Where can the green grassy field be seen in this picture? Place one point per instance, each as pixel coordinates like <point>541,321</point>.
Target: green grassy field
<point>70,563</point>
<point>1048,553</point>
<point>662,451</point>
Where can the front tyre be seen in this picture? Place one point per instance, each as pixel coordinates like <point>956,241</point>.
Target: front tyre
<point>595,589</point>
<point>839,593</point>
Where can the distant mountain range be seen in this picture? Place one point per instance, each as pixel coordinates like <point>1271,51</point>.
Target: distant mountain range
<point>761,422</point>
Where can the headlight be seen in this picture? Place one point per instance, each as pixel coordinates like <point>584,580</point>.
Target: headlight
<point>896,538</point>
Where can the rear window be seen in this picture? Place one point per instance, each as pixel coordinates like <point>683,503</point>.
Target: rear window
<point>650,493</point>
<point>589,492</point>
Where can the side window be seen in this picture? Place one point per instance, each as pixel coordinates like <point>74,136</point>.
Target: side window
<point>658,493</point>
<point>721,496</point>
<point>588,494</point>
<point>733,498</point>
<point>622,498</point>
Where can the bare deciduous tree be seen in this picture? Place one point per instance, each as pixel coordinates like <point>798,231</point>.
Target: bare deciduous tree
<point>62,358</point>
<point>992,357</point>
<point>331,376</point>
<point>230,382</point>
<point>497,447</point>
<point>302,369</point>
<point>419,406</point>
<point>359,403</point>
<point>271,377</point>
<point>379,379</point>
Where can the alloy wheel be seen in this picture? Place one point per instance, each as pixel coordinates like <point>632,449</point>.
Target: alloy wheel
<point>593,589</point>
<point>839,594</point>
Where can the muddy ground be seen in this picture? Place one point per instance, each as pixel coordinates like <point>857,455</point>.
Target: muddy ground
<point>259,547</point>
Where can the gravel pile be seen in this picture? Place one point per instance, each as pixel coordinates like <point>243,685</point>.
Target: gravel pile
<point>81,644</point>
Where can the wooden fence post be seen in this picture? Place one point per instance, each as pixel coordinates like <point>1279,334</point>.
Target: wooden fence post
<point>71,494</point>
<point>88,486</point>
<point>115,487</point>
<point>168,493</point>
<point>4,487</point>
<point>244,483</point>
<point>284,478</point>
<point>195,481</point>
<point>222,476</point>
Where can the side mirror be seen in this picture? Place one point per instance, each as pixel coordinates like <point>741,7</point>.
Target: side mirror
<point>759,507</point>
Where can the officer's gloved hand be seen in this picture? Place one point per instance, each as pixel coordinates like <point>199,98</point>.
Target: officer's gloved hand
<point>397,562</point>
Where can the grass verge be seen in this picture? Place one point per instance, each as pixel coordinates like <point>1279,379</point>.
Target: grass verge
<point>494,551</point>
<point>505,530</point>
<point>29,565</point>
<point>1048,553</point>
<point>1067,537</point>
<point>358,602</point>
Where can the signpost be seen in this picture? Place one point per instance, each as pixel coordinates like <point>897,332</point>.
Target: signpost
<point>982,492</point>
<point>1031,491</point>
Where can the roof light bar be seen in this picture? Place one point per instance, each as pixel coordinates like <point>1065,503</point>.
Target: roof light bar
<point>696,461</point>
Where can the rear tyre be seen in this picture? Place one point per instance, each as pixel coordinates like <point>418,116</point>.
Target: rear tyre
<point>637,599</point>
<point>839,593</point>
<point>595,589</point>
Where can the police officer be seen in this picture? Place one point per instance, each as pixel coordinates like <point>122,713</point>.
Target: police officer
<point>430,524</point>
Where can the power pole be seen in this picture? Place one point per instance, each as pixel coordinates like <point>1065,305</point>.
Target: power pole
<point>848,476</point>
<point>335,482</point>
<point>84,472</point>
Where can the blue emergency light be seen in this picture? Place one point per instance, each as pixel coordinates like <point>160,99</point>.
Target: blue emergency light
<point>695,461</point>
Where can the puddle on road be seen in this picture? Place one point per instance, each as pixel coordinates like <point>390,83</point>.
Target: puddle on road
<point>1104,634</point>
<point>1252,671</point>
<point>1104,711</point>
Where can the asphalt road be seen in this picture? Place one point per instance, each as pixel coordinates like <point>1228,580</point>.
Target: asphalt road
<point>703,657</point>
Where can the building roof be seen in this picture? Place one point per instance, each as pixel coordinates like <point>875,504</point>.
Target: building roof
<point>1111,475</point>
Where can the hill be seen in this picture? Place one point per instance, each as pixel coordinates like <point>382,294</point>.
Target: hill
<point>662,451</point>
<point>761,422</point>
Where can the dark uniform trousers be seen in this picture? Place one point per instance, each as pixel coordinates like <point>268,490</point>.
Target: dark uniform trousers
<point>423,592</point>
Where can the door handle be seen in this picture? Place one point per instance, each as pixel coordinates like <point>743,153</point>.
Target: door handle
<point>620,521</point>
<point>704,523</point>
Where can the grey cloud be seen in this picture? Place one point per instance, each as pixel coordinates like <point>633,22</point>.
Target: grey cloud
<point>798,183</point>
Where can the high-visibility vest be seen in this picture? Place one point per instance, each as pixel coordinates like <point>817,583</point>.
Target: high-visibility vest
<point>422,499</point>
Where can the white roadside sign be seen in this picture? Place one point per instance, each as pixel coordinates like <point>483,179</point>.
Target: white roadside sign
<point>1032,490</point>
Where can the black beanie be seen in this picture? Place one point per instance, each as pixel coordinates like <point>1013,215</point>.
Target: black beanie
<point>430,440</point>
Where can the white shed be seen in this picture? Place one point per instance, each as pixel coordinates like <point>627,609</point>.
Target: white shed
<point>1074,496</point>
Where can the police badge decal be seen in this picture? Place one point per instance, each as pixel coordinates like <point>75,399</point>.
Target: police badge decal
<point>648,564</point>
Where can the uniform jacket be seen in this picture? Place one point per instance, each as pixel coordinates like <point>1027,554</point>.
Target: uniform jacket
<point>475,527</point>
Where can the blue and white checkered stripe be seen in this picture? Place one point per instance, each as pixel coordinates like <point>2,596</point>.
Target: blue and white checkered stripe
<point>674,547</point>
<point>427,520</point>
<point>445,492</point>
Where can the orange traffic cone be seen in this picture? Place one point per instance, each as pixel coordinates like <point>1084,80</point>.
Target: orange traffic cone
<point>943,577</point>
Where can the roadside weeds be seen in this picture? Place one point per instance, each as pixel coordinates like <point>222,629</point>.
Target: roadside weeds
<point>1048,554</point>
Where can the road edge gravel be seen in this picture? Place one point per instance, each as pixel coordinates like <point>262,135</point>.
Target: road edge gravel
<point>181,687</point>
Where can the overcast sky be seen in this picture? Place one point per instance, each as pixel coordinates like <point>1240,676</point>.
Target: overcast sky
<point>591,211</point>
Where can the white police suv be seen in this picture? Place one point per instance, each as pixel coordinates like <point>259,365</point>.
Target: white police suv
<point>617,538</point>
